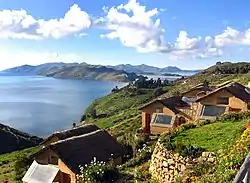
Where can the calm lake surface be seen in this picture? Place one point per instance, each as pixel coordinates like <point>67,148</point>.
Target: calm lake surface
<point>41,105</point>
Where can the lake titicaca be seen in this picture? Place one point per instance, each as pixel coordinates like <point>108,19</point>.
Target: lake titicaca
<point>41,105</point>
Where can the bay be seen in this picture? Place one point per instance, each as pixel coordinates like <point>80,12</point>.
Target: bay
<point>41,105</point>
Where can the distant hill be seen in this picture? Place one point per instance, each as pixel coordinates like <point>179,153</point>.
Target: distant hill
<point>141,69</point>
<point>228,68</point>
<point>76,70</point>
<point>13,140</point>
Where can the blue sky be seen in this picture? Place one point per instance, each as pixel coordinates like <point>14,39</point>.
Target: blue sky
<point>188,34</point>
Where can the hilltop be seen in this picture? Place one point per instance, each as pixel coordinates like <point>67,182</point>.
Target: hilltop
<point>13,140</point>
<point>144,69</point>
<point>76,71</point>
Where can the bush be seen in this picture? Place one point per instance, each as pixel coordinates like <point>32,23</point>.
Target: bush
<point>21,165</point>
<point>97,171</point>
<point>203,122</point>
<point>235,116</point>
<point>132,141</point>
<point>140,157</point>
<point>158,92</point>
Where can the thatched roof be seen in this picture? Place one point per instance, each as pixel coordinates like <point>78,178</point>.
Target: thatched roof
<point>80,150</point>
<point>236,89</point>
<point>61,135</point>
<point>173,103</point>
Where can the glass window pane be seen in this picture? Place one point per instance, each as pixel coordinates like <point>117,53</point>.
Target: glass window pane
<point>162,119</point>
<point>209,110</point>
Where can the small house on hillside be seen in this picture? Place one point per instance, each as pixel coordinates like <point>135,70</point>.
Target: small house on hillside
<point>159,115</point>
<point>200,102</point>
<point>231,97</point>
<point>65,156</point>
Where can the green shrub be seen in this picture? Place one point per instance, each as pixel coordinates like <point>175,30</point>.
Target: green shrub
<point>192,151</point>
<point>21,165</point>
<point>203,122</point>
<point>132,141</point>
<point>233,116</point>
<point>97,171</point>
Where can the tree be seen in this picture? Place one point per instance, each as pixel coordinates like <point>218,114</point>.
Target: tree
<point>166,83</point>
<point>205,83</point>
<point>158,92</point>
<point>218,63</point>
<point>141,82</point>
<point>83,118</point>
<point>114,90</point>
<point>21,165</point>
<point>158,82</point>
<point>93,113</point>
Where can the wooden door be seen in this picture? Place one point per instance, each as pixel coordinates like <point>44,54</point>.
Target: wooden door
<point>147,125</point>
<point>66,178</point>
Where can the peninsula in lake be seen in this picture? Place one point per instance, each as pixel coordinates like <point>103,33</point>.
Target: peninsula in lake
<point>122,73</point>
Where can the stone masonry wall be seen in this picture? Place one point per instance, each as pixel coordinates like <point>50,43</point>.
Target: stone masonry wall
<point>166,166</point>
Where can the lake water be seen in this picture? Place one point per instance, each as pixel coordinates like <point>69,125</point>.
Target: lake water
<point>41,105</point>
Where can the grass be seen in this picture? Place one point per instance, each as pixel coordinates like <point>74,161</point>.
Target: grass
<point>213,137</point>
<point>7,163</point>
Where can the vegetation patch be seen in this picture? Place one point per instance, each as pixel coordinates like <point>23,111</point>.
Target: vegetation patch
<point>12,166</point>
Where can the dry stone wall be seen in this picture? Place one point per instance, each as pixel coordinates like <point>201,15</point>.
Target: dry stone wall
<point>166,166</point>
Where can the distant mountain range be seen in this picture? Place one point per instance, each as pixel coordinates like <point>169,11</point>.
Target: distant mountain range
<point>123,72</point>
<point>75,70</point>
<point>142,69</point>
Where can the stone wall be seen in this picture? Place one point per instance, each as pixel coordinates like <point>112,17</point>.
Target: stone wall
<point>166,166</point>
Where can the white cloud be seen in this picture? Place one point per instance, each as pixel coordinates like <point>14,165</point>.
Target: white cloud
<point>138,30</point>
<point>231,37</point>
<point>132,24</point>
<point>183,42</point>
<point>19,24</point>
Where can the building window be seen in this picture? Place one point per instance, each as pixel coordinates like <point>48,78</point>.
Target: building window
<point>159,110</point>
<point>212,111</point>
<point>223,100</point>
<point>162,119</point>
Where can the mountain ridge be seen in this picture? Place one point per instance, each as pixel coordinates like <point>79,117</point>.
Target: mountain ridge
<point>143,68</point>
<point>75,70</point>
<point>121,72</point>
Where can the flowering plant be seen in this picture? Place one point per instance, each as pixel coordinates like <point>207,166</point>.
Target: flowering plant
<point>95,171</point>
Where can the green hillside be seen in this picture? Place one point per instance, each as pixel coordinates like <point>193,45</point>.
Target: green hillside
<point>13,140</point>
<point>119,113</point>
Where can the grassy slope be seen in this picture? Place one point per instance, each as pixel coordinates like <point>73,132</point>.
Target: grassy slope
<point>7,162</point>
<point>213,137</point>
<point>120,110</point>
